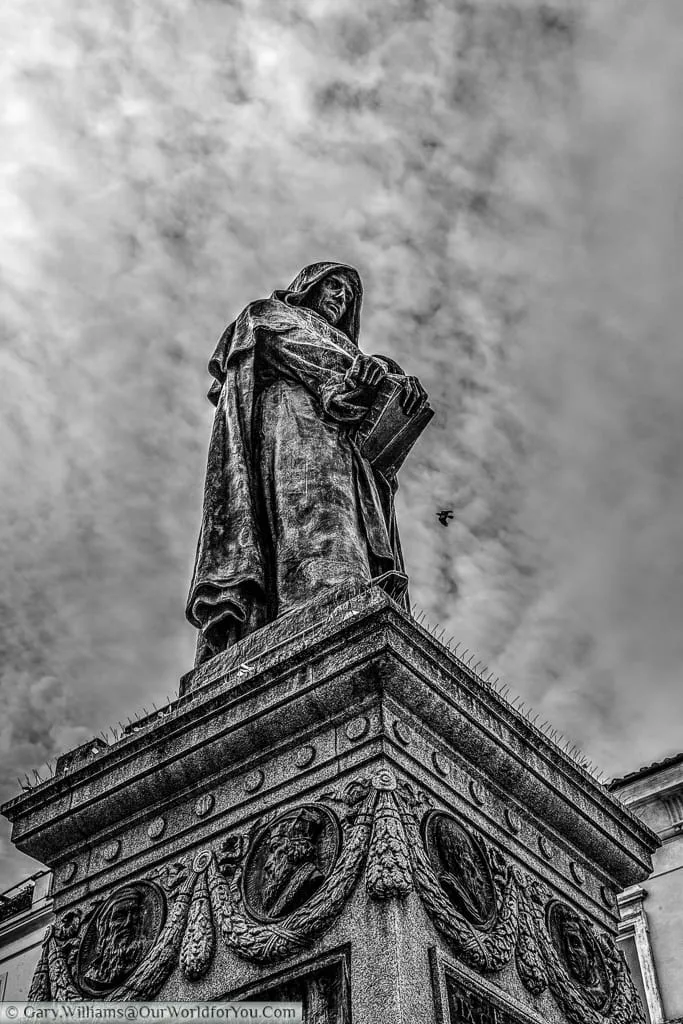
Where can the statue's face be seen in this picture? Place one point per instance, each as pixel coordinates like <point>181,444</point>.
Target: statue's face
<point>332,297</point>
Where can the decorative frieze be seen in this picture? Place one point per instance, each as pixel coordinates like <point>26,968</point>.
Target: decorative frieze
<point>269,892</point>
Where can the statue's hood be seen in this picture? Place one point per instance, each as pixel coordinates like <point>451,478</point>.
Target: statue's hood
<point>238,336</point>
<point>309,277</point>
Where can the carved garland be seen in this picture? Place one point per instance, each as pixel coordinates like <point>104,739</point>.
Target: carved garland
<point>381,829</point>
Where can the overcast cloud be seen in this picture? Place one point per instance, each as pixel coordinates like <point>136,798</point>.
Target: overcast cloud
<point>506,177</point>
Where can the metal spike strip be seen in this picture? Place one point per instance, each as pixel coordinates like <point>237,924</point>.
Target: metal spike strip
<point>504,691</point>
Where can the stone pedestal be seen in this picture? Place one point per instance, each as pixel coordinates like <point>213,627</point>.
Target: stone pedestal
<point>338,810</point>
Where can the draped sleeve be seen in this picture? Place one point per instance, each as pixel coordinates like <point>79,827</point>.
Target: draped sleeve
<point>322,370</point>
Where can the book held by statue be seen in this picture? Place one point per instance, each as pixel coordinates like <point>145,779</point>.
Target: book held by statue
<point>386,434</point>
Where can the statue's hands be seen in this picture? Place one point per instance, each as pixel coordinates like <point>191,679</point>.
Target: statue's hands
<point>366,372</point>
<point>414,395</point>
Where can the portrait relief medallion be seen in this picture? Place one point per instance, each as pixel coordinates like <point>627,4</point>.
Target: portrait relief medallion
<point>289,860</point>
<point>460,864</point>
<point>119,935</point>
<point>580,954</point>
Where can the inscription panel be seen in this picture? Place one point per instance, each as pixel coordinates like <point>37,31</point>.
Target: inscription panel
<point>323,990</point>
<point>468,1007</point>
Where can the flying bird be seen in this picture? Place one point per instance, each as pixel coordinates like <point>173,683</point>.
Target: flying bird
<point>444,516</point>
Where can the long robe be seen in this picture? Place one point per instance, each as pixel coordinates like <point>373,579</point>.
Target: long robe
<point>290,505</point>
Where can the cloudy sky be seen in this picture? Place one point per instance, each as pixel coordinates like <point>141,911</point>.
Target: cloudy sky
<point>506,177</point>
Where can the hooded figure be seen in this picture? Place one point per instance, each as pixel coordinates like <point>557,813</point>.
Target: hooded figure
<point>290,505</point>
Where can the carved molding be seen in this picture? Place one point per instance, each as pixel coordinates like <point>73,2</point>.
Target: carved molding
<point>310,858</point>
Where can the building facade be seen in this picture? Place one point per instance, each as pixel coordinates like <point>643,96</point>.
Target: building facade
<point>25,913</point>
<point>651,932</point>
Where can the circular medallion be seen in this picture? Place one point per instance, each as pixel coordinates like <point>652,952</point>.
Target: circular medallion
<point>402,732</point>
<point>304,756</point>
<point>607,896</point>
<point>477,792</point>
<point>119,936</point>
<point>69,871</point>
<point>512,820</point>
<point>545,848</point>
<point>384,779</point>
<point>155,829</point>
<point>441,764</point>
<point>253,782</point>
<point>357,728</point>
<point>112,851</point>
<point>461,867</point>
<point>201,861</point>
<point>204,805</point>
<point>289,860</point>
<point>580,954</point>
<point>577,873</point>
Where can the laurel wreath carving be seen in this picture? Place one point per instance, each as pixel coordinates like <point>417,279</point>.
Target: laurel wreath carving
<point>388,873</point>
<point>273,941</point>
<point>381,830</point>
<point>199,941</point>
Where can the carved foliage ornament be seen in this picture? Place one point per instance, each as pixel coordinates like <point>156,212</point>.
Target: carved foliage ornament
<point>266,895</point>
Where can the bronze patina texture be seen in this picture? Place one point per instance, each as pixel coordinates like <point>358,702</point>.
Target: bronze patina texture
<point>291,505</point>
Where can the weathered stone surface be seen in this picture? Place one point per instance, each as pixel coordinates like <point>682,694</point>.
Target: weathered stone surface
<point>351,796</point>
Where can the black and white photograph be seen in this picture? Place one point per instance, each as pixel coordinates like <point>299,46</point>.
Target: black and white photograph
<point>341,521</point>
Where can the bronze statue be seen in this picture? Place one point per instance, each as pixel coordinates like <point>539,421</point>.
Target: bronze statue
<point>293,504</point>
